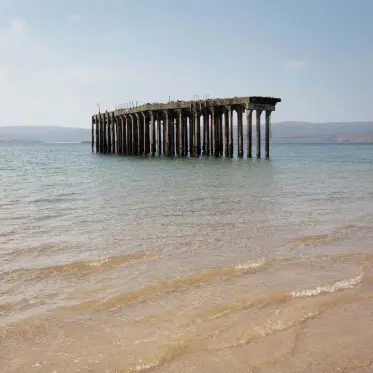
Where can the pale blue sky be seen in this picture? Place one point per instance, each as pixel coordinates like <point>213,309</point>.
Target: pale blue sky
<point>59,58</point>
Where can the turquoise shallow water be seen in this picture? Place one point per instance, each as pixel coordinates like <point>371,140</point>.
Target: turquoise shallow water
<point>70,221</point>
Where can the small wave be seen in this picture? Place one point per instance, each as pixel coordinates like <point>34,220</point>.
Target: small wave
<point>317,239</point>
<point>84,268</point>
<point>167,287</point>
<point>265,300</point>
<point>337,286</point>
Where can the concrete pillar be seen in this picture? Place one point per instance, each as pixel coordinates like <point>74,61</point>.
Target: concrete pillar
<point>171,135</point>
<point>230,132</point>
<point>139,136</point>
<point>268,117</point>
<point>190,142</point>
<point>185,136</point>
<point>133,134</point>
<point>123,135</point>
<point>113,139</point>
<point>205,134</point>
<point>239,132</point>
<point>166,138</point>
<point>128,127</point>
<point>109,124</point>
<point>117,135</point>
<point>92,133</point>
<point>122,143</point>
<point>152,134</point>
<point>159,135</point>
<point>220,132</point>
<point>197,137</point>
<point>180,134</point>
<point>249,136</point>
<point>101,134</point>
<point>214,143</point>
<point>97,134</point>
<point>258,114</point>
<point>226,133</point>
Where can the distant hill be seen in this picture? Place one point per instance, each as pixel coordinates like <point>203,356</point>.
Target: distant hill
<point>354,132</point>
<point>45,134</point>
<point>338,131</point>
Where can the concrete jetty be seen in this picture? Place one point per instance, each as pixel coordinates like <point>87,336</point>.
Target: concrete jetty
<point>183,128</point>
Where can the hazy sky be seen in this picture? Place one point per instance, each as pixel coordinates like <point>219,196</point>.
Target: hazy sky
<point>59,58</point>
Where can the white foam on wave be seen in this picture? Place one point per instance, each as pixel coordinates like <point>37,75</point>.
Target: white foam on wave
<point>252,264</point>
<point>98,263</point>
<point>339,285</point>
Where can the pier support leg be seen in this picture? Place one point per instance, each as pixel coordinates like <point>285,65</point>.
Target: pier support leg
<point>268,117</point>
<point>146,135</point>
<point>249,129</point>
<point>113,121</point>
<point>133,134</point>
<point>166,135</point>
<point>205,134</point>
<point>185,136</point>
<point>226,133</point>
<point>109,123</point>
<point>97,135</point>
<point>128,120</point>
<point>93,136</point>
<point>101,134</point>
<point>258,114</point>
<point>152,135</point>
<point>124,135</point>
<point>220,133</point>
<point>214,134</point>
<point>197,121</point>
<point>140,135</point>
<point>180,134</point>
<point>171,135</point>
<point>118,135</point>
<point>239,132</point>
<point>159,136</point>
<point>190,121</point>
<point>230,133</point>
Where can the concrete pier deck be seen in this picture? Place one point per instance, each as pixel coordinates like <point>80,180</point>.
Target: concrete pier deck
<point>183,128</point>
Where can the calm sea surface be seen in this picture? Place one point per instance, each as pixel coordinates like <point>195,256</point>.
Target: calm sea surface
<point>114,264</point>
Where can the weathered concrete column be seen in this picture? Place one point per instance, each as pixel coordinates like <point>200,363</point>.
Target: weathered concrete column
<point>220,131</point>
<point>258,114</point>
<point>123,135</point>
<point>128,127</point>
<point>197,137</point>
<point>109,124</point>
<point>205,134</point>
<point>159,135</point>
<point>171,135</point>
<point>185,135</point>
<point>101,134</point>
<point>133,134</point>
<point>249,136</point>
<point>226,133</point>
<point>146,133</point>
<point>166,138</point>
<point>113,138</point>
<point>139,136</point>
<point>190,143</point>
<point>239,132</point>
<point>180,134</point>
<point>231,143</point>
<point>268,118</point>
<point>152,134</point>
<point>97,134</point>
<point>93,136</point>
<point>214,133</point>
